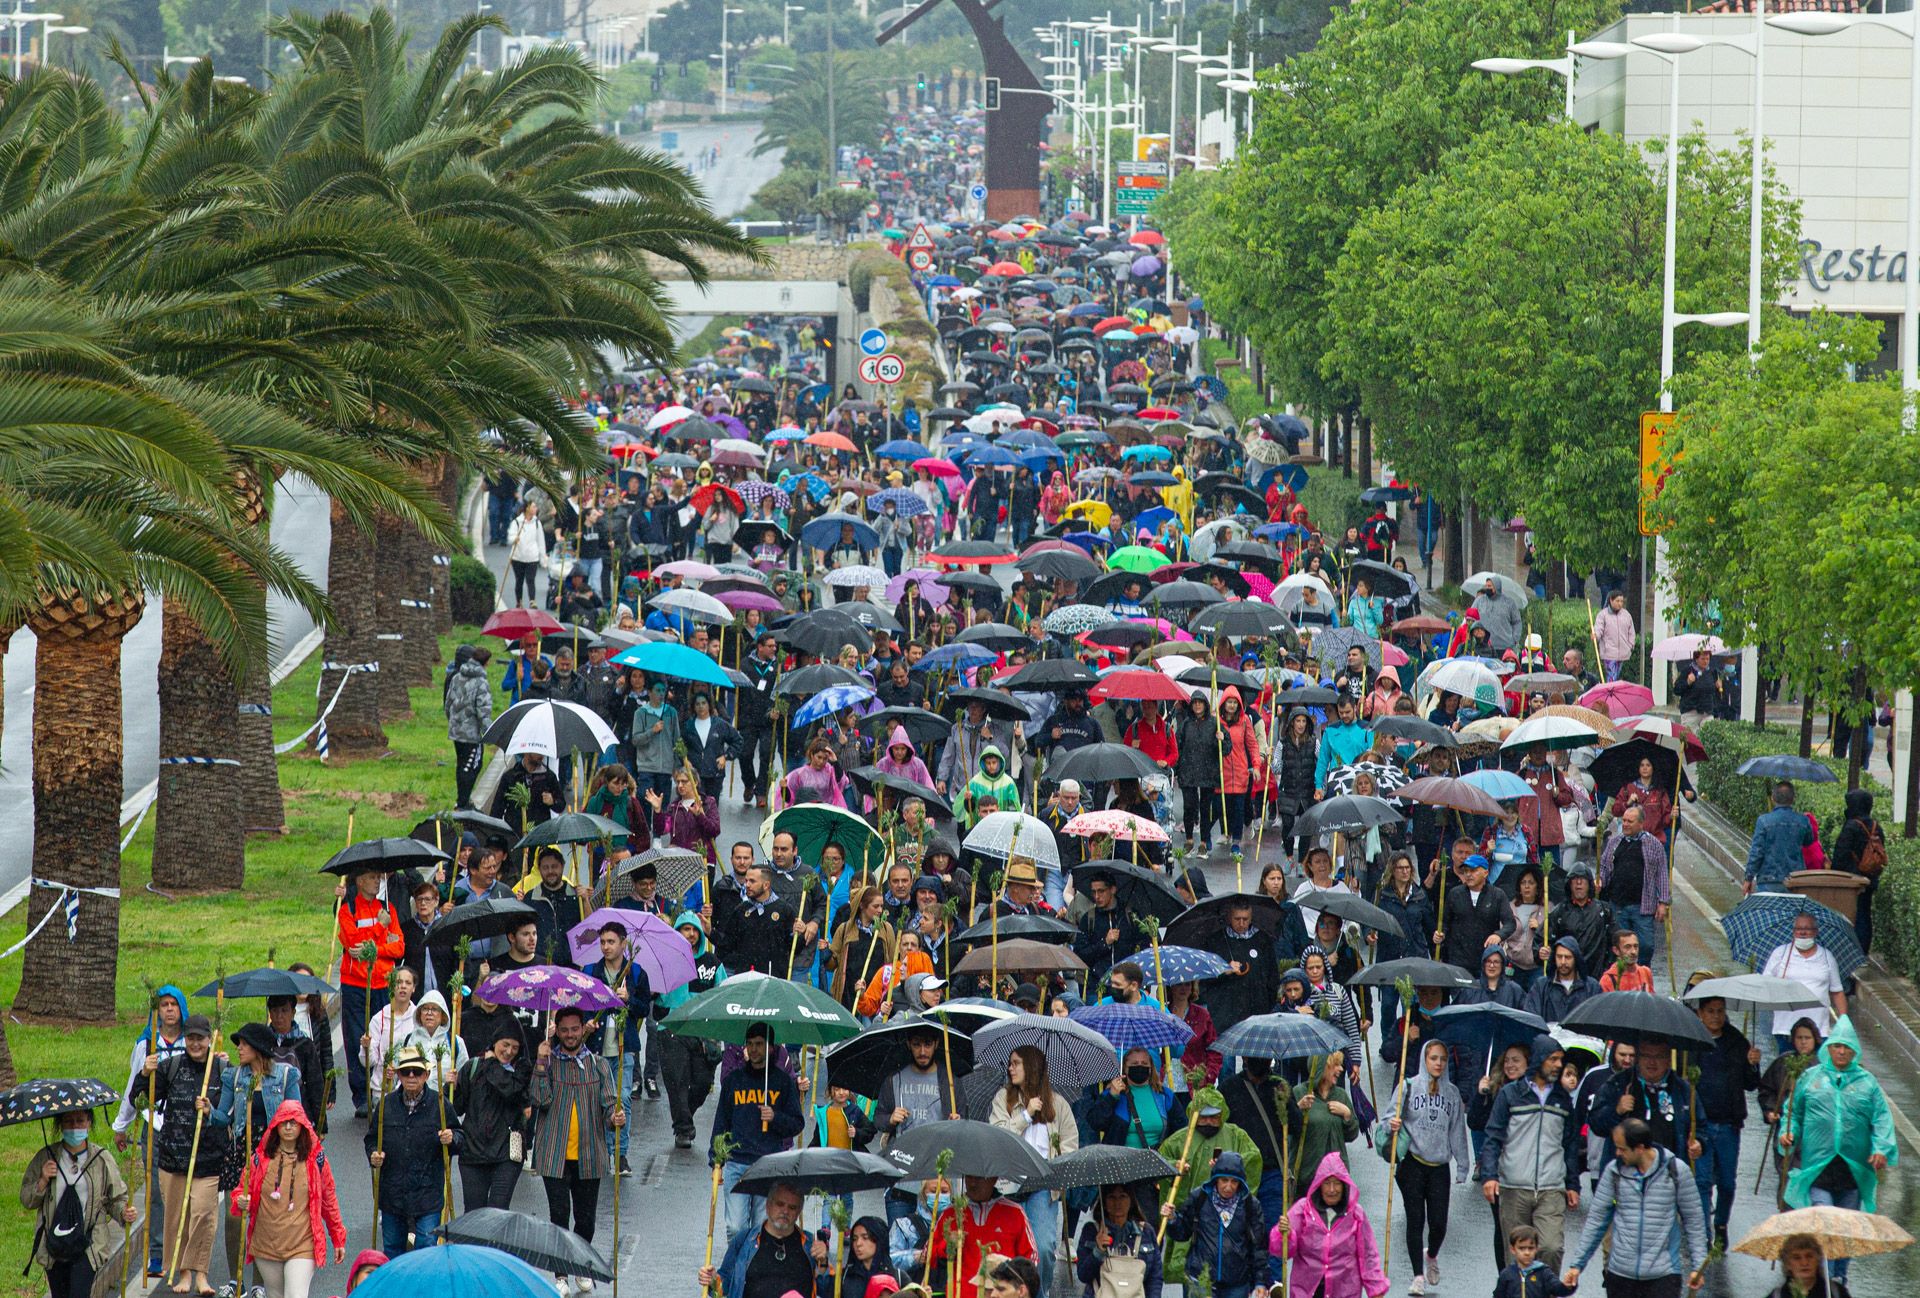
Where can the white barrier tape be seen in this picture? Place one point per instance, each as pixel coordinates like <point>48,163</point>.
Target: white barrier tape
<point>256,710</point>
<point>350,667</point>
<point>68,904</point>
<point>390,635</point>
<point>441,561</point>
<point>199,761</point>
<point>145,807</point>
<point>320,722</point>
<point>416,603</point>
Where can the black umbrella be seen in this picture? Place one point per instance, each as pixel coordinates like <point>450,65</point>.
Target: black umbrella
<point>1099,763</point>
<point>1786,766</point>
<point>451,824</point>
<point>1123,635</point>
<point>1423,973</point>
<point>535,1241</point>
<point>1636,1016</point>
<point>1388,583</point>
<point>384,856</point>
<point>1358,909</point>
<point>1060,565</point>
<point>1244,617</point>
<point>998,703</point>
<point>1206,920</point>
<point>825,632</point>
<point>977,1149</point>
<point>863,1064</point>
<point>1253,554</point>
<point>571,728</point>
<point>997,636</point>
<point>924,728</point>
<point>695,429</point>
<point>50,1097</point>
<point>871,616</point>
<point>869,779</point>
<point>1184,594</point>
<point>571,637</point>
<point>1619,766</point>
<point>1033,928</point>
<point>571,827</point>
<point>1209,676</point>
<point>1416,730</point>
<point>828,1171</point>
<point>983,582</point>
<point>1352,813</point>
<point>969,552</point>
<point>1308,696</point>
<point>813,678</point>
<point>1052,676</point>
<point>1236,581</point>
<point>250,984</point>
<point>488,917</point>
<point>1143,891</point>
<point>1488,1026</point>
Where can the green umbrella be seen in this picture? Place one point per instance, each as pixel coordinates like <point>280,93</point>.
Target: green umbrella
<point>798,1015</point>
<point>894,232</point>
<point>815,824</point>
<point>1137,558</point>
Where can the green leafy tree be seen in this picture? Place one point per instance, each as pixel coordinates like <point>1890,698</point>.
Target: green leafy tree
<point>789,195</point>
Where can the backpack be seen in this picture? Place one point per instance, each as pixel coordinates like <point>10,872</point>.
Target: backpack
<point>67,1236</point>
<point>1873,857</point>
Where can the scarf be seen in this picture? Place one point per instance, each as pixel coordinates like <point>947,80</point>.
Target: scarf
<point>280,1175</point>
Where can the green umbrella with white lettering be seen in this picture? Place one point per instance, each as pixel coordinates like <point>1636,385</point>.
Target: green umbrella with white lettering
<point>796,1014</point>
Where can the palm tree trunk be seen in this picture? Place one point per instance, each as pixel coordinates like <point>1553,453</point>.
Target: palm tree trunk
<point>390,587</point>
<point>449,488</point>
<point>199,835</point>
<point>78,754</point>
<point>262,808</point>
<point>353,730</point>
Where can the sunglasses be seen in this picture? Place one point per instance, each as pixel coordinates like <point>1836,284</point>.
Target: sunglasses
<point>413,1072</point>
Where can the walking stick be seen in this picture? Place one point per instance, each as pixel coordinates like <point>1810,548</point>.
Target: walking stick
<point>199,1121</point>
<point>619,1109</point>
<point>146,1182</point>
<point>806,879</point>
<point>446,1154</point>
<point>379,1146</point>
<point>246,1217</point>
<point>940,1165</point>
<point>843,1218</point>
<point>722,1147</point>
<point>1186,1146</point>
<point>1403,987</point>
<point>460,951</point>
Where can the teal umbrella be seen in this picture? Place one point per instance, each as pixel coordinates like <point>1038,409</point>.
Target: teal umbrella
<point>664,658</point>
<point>814,825</point>
<point>797,1014</point>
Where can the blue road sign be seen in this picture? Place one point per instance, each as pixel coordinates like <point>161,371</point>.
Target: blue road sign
<point>978,193</point>
<point>873,341</point>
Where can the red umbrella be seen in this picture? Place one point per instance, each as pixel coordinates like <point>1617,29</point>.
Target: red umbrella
<point>831,441</point>
<point>513,623</point>
<point>703,498</point>
<point>1146,238</point>
<point>1157,412</point>
<point>633,448</point>
<point>1038,424</point>
<point>1138,684</point>
<point>1668,734</point>
<point>1012,269</point>
<point>1111,323</point>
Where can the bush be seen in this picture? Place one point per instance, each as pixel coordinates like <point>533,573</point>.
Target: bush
<point>1333,500</point>
<point>1566,624</point>
<point>1742,799</point>
<point>471,588</point>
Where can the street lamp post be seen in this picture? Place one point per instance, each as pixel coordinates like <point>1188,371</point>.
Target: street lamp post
<point>787,12</point>
<point>725,13</point>
<point>18,20</point>
<point>64,31</point>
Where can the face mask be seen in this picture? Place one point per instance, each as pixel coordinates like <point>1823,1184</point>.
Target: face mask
<point>73,1137</point>
<point>1139,1074</point>
<point>941,1202</point>
<point>1805,943</point>
<point>1207,1130</point>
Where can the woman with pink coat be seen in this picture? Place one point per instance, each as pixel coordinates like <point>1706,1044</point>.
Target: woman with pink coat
<point>289,1202</point>
<point>1328,1241</point>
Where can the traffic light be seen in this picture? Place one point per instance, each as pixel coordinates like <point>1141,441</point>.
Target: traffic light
<point>828,345</point>
<point>990,99</point>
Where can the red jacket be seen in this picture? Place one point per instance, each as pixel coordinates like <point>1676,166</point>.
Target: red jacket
<point>1239,748</point>
<point>1156,741</point>
<point>1005,1232</point>
<point>361,919</point>
<point>1200,1052</point>
<point>322,1205</point>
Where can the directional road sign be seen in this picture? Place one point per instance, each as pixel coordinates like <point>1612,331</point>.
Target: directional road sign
<point>978,193</point>
<point>873,341</point>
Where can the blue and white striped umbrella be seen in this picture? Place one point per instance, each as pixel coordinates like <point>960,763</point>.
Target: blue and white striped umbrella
<point>1185,964</point>
<point>1130,1026</point>
<point>829,701</point>
<point>1281,1036</point>
<point>1763,923</point>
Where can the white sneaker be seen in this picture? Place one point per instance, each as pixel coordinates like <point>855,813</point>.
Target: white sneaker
<point>1418,1286</point>
<point>583,1284</point>
<point>1433,1269</point>
<point>560,1284</point>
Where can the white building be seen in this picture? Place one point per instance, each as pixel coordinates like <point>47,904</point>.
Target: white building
<point>1835,113</point>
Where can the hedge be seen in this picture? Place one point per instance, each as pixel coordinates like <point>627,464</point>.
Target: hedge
<point>1742,799</point>
<point>1333,500</point>
<point>471,590</point>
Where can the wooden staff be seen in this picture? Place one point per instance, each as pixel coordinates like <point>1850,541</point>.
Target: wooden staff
<point>446,1154</point>
<point>379,1146</point>
<point>199,1124</point>
<point>1403,986</point>
<point>146,1181</point>
<point>340,956</point>
<point>722,1146</point>
<point>246,1180</point>
<point>619,1093</point>
<point>807,879</point>
<point>459,989</point>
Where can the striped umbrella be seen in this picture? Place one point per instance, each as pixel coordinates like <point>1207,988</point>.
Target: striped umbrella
<point>904,502</point>
<point>1131,1026</point>
<point>1764,922</point>
<point>1281,1036</point>
<point>1077,1056</point>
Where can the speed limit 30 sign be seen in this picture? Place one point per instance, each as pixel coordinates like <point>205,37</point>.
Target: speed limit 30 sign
<point>920,259</point>
<point>889,368</point>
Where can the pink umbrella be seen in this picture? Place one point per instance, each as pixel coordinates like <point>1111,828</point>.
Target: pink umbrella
<point>1393,655</point>
<point>1259,585</point>
<point>689,569</point>
<point>938,468</point>
<point>1122,826</point>
<point>652,943</point>
<point>1679,648</point>
<point>1618,699</point>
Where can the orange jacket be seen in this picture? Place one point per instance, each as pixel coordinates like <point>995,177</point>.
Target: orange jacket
<point>1638,979</point>
<point>360,919</point>
<point>890,976</point>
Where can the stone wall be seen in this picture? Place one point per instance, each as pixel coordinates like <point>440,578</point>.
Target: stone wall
<point>819,261</point>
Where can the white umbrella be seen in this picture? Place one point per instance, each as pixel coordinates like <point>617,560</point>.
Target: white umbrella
<point>1000,326</point>
<point>1288,591</point>
<point>1554,732</point>
<point>966,293</point>
<point>1004,834</point>
<point>1506,585</point>
<point>858,575</point>
<point>550,729</point>
<point>740,444</point>
<point>703,608</point>
<point>1206,539</point>
<point>1468,679</point>
<point>1181,335</point>
<point>667,415</point>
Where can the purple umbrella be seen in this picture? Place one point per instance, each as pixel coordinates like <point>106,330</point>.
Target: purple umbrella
<point>652,943</point>
<point>549,987</point>
<point>733,425</point>
<point>742,600</point>
<point>1145,266</point>
<point>930,587</point>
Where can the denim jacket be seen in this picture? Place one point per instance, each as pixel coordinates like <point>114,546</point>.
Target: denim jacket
<point>1778,837</point>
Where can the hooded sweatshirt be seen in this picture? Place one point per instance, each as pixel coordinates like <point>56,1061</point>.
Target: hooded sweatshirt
<point>912,768</point>
<point>1433,1124</point>
<point>1839,1113</point>
<point>323,1208</point>
<point>1532,1141</point>
<point>1001,786</point>
<point>1553,1000</point>
<point>446,1053</point>
<point>1226,1237</point>
<point>1341,744</point>
<point>707,970</point>
<point>137,1058</point>
<point>1332,1250</point>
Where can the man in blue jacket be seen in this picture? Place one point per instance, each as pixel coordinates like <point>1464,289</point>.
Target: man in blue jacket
<point>1530,1159</point>
<point>760,1109</point>
<point>1778,837</point>
<point>790,1264</point>
<point>1649,1203</point>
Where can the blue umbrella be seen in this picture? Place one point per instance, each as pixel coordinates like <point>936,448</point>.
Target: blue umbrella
<point>1483,1029</point>
<point>1031,437</point>
<point>1213,385</point>
<point>665,658</point>
<point>1291,476</point>
<point>904,502</point>
<point>988,455</point>
<point>1278,532</point>
<point>1151,519</point>
<point>1498,785</point>
<point>1087,310</point>
<point>786,435</point>
<point>1128,1026</point>
<point>959,657</point>
<point>1764,922</point>
<point>943,281</point>
<point>818,392</point>
<point>823,533</point>
<point>900,449</point>
<point>1088,541</point>
<point>455,1271</point>
<point>1154,478</point>
<point>1786,766</point>
<point>813,484</point>
<point>1279,1036</point>
<point>829,701</point>
<point>1146,453</point>
<point>1186,964</point>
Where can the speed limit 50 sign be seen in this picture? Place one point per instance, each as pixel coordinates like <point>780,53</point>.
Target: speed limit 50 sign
<point>889,368</point>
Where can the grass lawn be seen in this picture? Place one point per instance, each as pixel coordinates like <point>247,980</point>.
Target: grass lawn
<point>286,909</point>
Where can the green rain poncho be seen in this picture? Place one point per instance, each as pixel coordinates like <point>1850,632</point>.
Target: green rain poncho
<point>1199,1162</point>
<point>1318,1131</point>
<point>1839,1113</point>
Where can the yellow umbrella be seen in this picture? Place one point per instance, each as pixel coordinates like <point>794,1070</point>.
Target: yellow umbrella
<point>1096,512</point>
<point>1842,1232</point>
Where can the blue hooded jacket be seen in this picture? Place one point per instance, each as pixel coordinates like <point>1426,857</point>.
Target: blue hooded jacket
<point>1231,1250</point>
